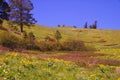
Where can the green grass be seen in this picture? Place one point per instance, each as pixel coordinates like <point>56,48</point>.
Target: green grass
<point>24,67</point>
<point>14,66</point>
<point>89,36</point>
<point>110,53</point>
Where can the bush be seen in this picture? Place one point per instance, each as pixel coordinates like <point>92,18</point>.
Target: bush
<point>47,46</point>
<point>58,35</point>
<point>73,45</point>
<point>9,40</point>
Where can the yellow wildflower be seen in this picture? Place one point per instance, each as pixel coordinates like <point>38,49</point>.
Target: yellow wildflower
<point>58,60</point>
<point>100,65</point>
<point>6,72</point>
<point>14,54</point>
<point>119,78</point>
<point>92,75</point>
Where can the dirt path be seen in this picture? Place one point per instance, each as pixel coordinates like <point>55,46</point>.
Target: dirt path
<point>83,57</point>
<point>78,57</point>
<point>4,49</point>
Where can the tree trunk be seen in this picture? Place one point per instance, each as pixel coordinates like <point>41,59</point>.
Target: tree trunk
<point>21,16</point>
<point>21,27</point>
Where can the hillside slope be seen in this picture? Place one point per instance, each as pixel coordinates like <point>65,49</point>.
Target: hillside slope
<point>96,37</point>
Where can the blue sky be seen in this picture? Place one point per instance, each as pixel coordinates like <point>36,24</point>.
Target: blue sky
<point>77,12</point>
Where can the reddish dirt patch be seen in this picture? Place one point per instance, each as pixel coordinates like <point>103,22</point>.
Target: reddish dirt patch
<point>19,33</point>
<point>2,28</point>
<point>3,49</point>
<point>102,41</point>
<point>82,58</point>
<point>87,58</point>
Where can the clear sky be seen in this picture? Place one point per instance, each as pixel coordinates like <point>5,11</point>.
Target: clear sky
<point>77,12</point>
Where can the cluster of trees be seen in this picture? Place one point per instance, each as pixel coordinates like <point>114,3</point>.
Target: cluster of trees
<point>18,11</point>
<point>65,26</point>
<point>93,26</point>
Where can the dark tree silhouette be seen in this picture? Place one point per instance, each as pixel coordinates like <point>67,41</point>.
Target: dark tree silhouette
<point>74,26</point>
<point>58,25</point>
<point>95,23</point>
<point>94,26</point>
<point>20,12</point>
<point>4,9</point>
<point>86,25</point>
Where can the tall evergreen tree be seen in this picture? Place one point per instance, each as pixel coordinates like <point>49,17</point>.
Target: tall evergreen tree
<point>94,26</point>
<point>4,9</point>
<point>20,12</point>
<point>86,25</point>
<point>58,36</point>
<point>95,23</point>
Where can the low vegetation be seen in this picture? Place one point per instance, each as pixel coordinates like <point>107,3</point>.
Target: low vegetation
<point>14,66</point>
<point>28,41</point>
<point>72,54</point>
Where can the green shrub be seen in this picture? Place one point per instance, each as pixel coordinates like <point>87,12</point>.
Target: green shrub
<point>73,45</point>
<point>58,35</point>
<point>47,38</point>
<point>9,40</point>
<point>46,46</point>
<point>28,42</point>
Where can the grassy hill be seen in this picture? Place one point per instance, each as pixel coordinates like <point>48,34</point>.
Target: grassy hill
<point>103,64</point>
<point>95,37</point>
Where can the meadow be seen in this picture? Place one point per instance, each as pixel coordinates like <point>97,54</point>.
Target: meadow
<point>103,63</point>
<point>14,66</point>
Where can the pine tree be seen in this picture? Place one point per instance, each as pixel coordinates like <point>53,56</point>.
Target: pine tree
<point>4,9</point>
<point>94,26</point>
<point>20,12</point>
<point>58,36</point>
<point>86,25</point>
<point>95,23</point>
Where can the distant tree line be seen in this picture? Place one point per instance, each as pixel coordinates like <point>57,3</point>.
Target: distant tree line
<point>93,26</point>
<point>66,26</point>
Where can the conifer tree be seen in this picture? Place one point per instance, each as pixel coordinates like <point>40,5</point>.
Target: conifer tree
<point>86,25</point>
<point>20,12</point>
<point>58,36</point>
<point>4,9</point>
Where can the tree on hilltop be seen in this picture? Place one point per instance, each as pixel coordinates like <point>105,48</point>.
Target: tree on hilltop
<point>94,26</point>
<point>86,25</point>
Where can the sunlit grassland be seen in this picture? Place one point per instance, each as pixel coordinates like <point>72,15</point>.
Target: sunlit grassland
<point>92,36</point>
<point>110,53</point>
<point>14,66</point>
<point>87,35</point>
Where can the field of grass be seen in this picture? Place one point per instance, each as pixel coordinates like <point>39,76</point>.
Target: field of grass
<point>97,37</point>
<point>14,66</point>
<point>102,64</point>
